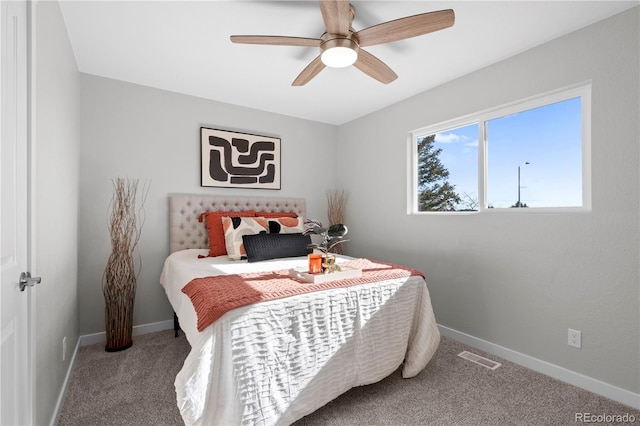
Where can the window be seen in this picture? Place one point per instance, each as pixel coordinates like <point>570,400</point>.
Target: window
<point>530,155</point>
<point>448,169</point>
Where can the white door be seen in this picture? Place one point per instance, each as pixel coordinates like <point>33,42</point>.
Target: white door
<point>15,364</point>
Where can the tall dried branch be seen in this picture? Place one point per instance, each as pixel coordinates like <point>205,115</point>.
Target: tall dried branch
<point>336,208</point>
<point>119,279</point>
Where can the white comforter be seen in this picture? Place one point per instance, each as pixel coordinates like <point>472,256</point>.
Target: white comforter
<point>274,362</point>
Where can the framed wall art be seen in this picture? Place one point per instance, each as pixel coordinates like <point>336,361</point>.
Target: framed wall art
<point>239,160</point>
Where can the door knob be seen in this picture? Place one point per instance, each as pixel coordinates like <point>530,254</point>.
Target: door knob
<point>27,280</point>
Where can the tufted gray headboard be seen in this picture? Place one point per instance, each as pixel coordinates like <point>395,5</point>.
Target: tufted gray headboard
<point>184,209</point>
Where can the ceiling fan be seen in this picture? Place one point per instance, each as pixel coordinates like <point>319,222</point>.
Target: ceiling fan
<point>341,46</point>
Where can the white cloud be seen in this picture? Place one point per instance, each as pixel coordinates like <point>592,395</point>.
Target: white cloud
<point>447,138</point>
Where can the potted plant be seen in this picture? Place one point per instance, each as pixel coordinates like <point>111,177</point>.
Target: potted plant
<point>330,238</point>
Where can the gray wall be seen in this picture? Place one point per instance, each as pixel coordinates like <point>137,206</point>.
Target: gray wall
<point>520,280</point>
<point>133,131</point>
<point>56,142</point>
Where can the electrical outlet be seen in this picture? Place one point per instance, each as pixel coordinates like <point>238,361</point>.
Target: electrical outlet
<point>575,338</point>
<point>64,348</point>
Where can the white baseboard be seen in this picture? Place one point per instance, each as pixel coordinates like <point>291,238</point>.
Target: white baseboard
<point>92,339</point>
<point>65,385</point>
<point>598,387</point>
<point>96,338</point>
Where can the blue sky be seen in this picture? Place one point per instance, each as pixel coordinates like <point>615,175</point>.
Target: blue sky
<point>549,138</point>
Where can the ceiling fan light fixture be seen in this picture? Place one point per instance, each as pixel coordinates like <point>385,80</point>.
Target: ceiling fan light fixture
<point>340,44</point>
<point>338,51</point>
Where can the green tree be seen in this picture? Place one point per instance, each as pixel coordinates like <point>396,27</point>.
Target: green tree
<point>435,193</point>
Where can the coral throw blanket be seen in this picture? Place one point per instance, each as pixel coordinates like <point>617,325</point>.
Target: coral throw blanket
<point>213,296</point>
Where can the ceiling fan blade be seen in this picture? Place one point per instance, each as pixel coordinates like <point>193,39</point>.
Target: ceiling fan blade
<point>275,40</point>
<point>374,67</point>
<point>309,72</point>
<point>408,27</point>
<point>336,15</point>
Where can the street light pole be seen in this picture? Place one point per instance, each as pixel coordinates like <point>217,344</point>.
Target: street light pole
<point>526,162</point>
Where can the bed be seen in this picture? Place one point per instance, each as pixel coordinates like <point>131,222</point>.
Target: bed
<point>276,361</point>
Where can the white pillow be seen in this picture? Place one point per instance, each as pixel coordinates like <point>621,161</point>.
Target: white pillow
<point>235,227</point>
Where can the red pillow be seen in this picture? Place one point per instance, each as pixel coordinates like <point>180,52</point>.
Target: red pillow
<point>217,245</point>
<point>276,214</point>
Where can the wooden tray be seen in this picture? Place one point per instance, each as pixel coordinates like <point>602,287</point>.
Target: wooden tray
<point>303,274</point>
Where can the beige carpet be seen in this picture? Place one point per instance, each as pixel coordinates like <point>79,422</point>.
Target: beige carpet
<point>135,387</point>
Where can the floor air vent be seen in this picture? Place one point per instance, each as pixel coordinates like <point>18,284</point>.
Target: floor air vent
<point>487,363</point>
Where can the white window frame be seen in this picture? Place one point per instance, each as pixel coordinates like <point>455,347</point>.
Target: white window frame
<point>582,90</point>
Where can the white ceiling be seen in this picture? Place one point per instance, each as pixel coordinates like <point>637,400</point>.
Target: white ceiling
<point>183,46</point>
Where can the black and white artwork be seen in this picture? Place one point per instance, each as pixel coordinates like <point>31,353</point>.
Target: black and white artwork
<point>239,160</point>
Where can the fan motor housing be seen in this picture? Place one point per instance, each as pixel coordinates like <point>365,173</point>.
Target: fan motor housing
<point>339,42</point>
